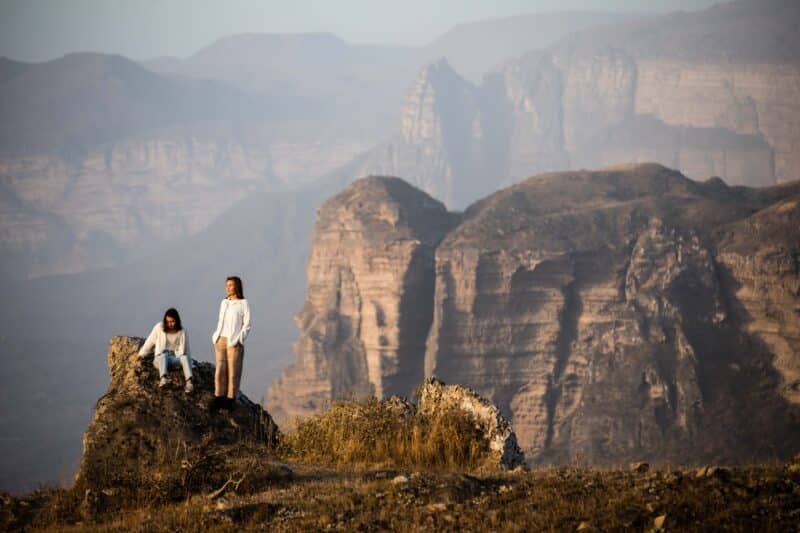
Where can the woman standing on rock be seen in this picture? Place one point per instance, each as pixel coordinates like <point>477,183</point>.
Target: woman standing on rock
<point>233,326</point>
<point>168,341</point>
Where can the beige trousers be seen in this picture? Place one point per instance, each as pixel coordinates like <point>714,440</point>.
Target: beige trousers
<point>229,368</point>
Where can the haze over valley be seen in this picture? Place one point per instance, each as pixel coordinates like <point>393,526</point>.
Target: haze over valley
<point>523,151</point>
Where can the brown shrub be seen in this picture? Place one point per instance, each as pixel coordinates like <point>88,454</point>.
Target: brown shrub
<point>372,433</point>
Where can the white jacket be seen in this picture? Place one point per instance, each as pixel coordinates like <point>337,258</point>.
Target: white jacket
<point>241,321</point>
<point>158,340</point>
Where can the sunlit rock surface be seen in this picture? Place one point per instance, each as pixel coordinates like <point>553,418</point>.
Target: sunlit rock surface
<point>369,303</point>
<point>623,314</point>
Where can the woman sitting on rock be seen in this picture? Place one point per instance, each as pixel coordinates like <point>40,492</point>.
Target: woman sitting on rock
<point>168,341</point>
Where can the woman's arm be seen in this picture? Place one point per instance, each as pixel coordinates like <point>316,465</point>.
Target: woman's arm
<point>245,322</point>
<point>149,343</point>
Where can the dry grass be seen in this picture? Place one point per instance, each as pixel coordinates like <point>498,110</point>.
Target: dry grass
<point>752,499</point>
<point>371,433</point>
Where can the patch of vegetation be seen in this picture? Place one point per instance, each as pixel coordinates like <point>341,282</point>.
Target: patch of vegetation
<point>372,433</point>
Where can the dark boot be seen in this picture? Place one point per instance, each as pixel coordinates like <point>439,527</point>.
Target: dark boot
<point>216,404</point>
<point>230,404</point>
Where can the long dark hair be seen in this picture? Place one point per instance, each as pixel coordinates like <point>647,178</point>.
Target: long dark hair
<point>237,286</point>
<point>173,314</point>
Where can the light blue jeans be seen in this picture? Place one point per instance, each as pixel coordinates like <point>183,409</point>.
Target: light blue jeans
<point>167,360</point>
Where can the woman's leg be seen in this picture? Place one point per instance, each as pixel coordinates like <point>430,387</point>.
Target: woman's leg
<point>160,362</point>
<point>186,365</point>
<point>235,357</point>
<point>221,375</point>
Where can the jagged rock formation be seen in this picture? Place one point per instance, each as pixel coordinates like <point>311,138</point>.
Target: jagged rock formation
<point>628,313</point>
<point>439,136</point>
<point>434,395</point>
<point>680,90</point>
<point>369,305</point>
<point>141,436</point>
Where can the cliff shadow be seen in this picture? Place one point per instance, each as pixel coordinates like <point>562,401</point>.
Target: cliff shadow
<point>416,317</point>
<point>744,410</point>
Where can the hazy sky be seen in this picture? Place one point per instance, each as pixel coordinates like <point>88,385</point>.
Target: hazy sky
<point>37,30</point>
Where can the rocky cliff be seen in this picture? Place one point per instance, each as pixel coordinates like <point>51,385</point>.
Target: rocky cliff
<point>708,93</point>
<point>369,303</point>
<point>760,259</point>
<point>149,443</point>
<point>629,312</point>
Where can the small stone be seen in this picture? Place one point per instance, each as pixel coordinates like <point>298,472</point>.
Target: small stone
<point>583,526</point>
<point>399,480</point>
<point>701,472</point>
<point>640,467</point>
<point>438,506</point>
<point>658,522</point>
<point>723,474</point>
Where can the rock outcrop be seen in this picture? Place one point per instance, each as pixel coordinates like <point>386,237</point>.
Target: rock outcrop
<point>163,442</point>
<point>434,395</point>
<point>369,306</point>
<point>619,315</point>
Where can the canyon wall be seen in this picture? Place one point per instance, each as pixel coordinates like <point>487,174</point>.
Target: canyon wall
<point>572,109</point>
<point>612,315</point>
<point>710,93</point>
<point>369,304</point>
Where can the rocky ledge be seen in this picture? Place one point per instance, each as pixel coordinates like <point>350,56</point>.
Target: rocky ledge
<point>165,439</point>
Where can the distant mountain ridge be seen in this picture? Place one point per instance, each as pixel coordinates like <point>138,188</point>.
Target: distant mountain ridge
<point>677,89</point>
<point>98,154</point>
<point>475,48</point>
<point>748,31</point>
<point>81,100</point>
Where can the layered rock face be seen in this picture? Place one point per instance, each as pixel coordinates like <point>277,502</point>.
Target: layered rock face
<point>619,314</point>
<point>69,214</point>
<point>678,90</point>
<point>760,257</point>
<point>369,303</point>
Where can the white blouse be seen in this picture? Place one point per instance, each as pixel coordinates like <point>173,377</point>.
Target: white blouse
<point>173,341</point>
<point>158,341</point>
<point>233,322</point>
